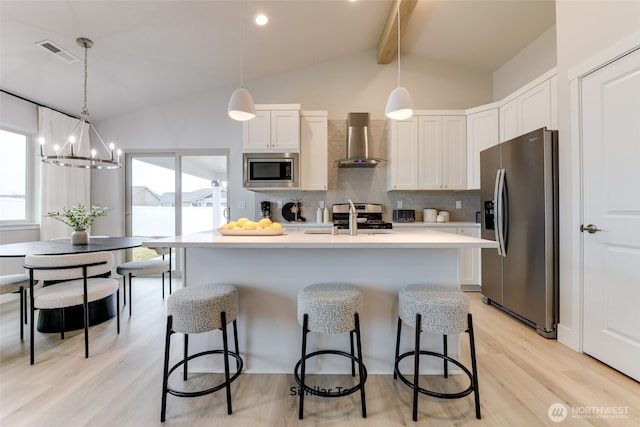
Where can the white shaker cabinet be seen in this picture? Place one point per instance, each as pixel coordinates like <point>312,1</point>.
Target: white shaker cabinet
<point>470,261</point>
<point>276,128</point>
<point>428,152</point>
<point>402,170</point>
<point>469,257</point>
<point>531,109</point>
<point>313,150</point>
<point>482,133</point>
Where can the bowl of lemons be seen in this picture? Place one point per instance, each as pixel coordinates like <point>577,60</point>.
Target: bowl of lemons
<point>246,227</point>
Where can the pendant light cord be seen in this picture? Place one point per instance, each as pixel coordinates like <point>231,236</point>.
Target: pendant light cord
<point>398,14</point>
<point>241,46</point>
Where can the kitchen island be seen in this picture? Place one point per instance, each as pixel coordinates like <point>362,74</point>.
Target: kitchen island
<point>270,270</point>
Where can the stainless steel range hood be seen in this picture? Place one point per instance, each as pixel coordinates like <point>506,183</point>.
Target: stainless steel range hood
<point>358,144</point>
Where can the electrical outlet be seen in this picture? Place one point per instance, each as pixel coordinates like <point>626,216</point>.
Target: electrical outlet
<point>321,204</point>
<point>242,204</point>
<point>399,204</point>
<point>458,204</point>
<point>279,204</point>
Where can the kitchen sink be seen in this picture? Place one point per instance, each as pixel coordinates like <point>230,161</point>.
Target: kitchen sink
<point>346,231</point>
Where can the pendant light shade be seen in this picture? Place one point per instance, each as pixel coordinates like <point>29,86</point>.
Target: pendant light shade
<point>241,106</point>
<point>399,104</point>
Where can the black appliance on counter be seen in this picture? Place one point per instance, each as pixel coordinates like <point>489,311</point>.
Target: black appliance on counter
<point>369,216</point>
<point>265,208</point>
<point>404,215</point>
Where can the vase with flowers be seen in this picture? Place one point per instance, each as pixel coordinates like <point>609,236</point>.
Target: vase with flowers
<point>78,217</point>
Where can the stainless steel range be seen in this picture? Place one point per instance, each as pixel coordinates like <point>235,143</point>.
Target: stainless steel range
<point>369,216</point>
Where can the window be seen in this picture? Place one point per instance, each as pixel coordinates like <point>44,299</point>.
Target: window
<point>15,197</point>
<point>171,193</point>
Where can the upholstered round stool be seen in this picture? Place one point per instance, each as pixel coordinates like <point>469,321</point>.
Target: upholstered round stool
<point>330,308</point>
<point>439,310</point>
<point>194,310</point>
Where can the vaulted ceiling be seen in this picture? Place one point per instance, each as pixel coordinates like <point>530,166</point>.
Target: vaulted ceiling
<point>149,52</point>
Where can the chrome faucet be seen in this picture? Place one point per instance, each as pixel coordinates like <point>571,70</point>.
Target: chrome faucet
<point>353,220</point>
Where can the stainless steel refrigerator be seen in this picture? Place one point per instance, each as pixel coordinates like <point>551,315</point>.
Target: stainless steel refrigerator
<point>519,196</point>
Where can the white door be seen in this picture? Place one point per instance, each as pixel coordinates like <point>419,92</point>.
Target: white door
<point>611,204</point>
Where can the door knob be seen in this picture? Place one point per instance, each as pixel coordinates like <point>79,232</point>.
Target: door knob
<point>589,228</point>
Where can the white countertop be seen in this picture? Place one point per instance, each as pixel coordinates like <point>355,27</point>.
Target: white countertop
<point>418,224</point>
<point>421,224</point>
<point>407,238</point>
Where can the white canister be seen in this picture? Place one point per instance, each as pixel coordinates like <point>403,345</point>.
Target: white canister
<point>444,215</point>
<point>440,218</point>
<point>429,215</point>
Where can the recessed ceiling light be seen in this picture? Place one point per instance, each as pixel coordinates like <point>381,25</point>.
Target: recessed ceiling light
<point>262,19</point>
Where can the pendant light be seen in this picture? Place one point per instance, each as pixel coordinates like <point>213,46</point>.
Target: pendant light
<point>399,105</point>
<point>65,154</point>
<point>241,106</point>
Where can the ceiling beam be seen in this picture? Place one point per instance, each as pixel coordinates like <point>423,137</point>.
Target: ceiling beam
<point>388,43</point>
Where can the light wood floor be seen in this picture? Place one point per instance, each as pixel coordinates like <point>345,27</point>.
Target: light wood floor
<point>521,375</point>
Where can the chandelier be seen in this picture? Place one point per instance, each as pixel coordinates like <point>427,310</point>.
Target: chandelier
<point>70,154</point>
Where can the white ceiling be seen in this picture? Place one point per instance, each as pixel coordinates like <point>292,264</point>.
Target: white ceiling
<point>149,52</point>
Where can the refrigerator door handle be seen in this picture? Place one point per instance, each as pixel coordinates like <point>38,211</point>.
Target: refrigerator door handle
<point>496,195</point>
<point>500,212</point>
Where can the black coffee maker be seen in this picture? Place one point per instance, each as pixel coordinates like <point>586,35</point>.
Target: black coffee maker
<point>265,208</point>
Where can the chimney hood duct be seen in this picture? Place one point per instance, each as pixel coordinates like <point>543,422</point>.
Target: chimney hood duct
<point>358,143</point>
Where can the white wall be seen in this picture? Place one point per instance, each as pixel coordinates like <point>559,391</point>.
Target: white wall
<point>584,28</point>
<point>534,60</point>
<point>18,114</point>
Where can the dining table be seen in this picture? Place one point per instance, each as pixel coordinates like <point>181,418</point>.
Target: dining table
<point>99,311</point>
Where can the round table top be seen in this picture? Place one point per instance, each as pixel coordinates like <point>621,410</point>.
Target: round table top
<point>64,246</point>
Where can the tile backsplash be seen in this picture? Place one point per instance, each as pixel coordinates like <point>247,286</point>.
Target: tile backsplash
<point>369,184</point>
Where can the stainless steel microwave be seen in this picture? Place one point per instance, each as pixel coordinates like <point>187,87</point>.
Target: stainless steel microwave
<point>271,170</point>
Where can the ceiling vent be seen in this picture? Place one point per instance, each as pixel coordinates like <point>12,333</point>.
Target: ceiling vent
<point>59,52</point>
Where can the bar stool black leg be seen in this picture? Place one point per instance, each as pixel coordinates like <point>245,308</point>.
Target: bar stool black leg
<point>235,341</point>
<point>165,376</point>
<point>353,363</point>
<point>416,367</point>
<point>360,365</point>
<point>186,356</point>
<point>225,352</point>
<point>444,349</point>
<point>170,291</point>
<point>305,324</point>
<point>162,283</point>
<point>474,369</point>
<point>395,374</point>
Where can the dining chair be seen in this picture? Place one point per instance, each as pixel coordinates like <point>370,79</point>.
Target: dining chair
<point>79,279</point>
<point>145,267</point>
<point>16,283</point>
